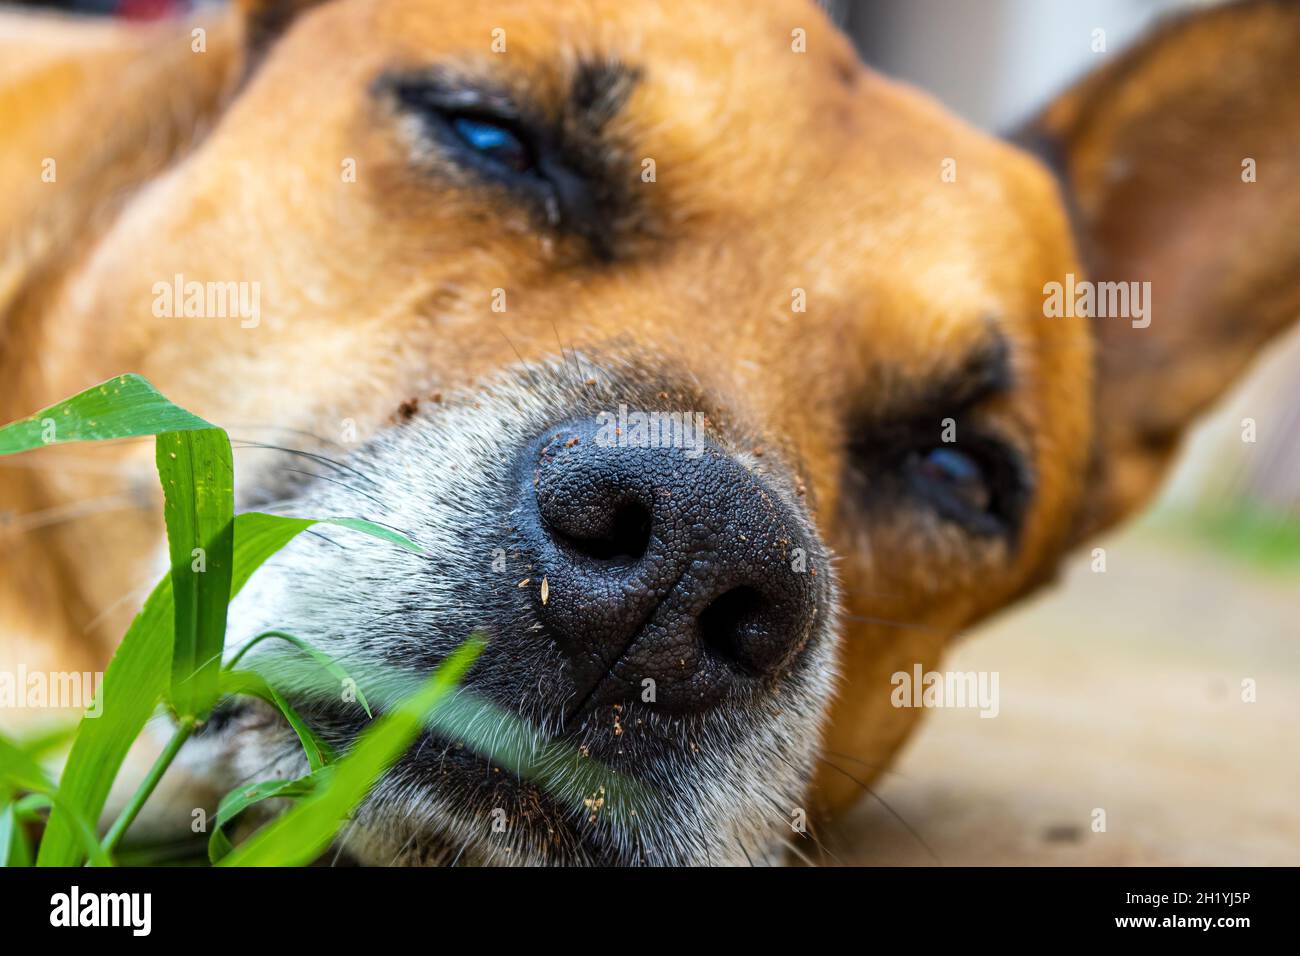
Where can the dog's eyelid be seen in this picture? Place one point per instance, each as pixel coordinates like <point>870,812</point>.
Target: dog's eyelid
<point>573,178</point>
<point>443,96</point>
<point>951,409</point>
<point>467,102</point>
<point>984,374</point>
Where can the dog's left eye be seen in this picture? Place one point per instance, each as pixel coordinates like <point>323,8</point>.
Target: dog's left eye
<point>951,477</point>
<point>980,484</point>
<point>494,142</point>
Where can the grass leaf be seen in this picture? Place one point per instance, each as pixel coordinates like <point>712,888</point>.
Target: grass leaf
<point>304,832</point>
<point>133,685</point>
<point>139,674</point>
<point>14,850</point>
<point>240,799</point>
<point>377,531</point>
<point>48,739</point>
<point>198,481</point>
<point>317,751</point>
<point>20,771</point>
<point>327,663</point>
<point>197,488</point>
<point>123,407</point>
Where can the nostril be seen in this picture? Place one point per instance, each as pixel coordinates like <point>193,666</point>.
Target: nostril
<point>623,534</point>
<point>726,621</point>
<point>660,565</point>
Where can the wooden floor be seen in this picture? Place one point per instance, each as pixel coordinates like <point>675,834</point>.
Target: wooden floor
<point>1119,691</point>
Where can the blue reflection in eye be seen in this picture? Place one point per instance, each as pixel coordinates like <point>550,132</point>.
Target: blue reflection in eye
<point>494,142</point>
<point>958,474</point>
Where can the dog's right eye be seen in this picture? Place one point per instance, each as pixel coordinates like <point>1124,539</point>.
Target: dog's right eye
<point>494,142</point>
<point>462,126</point>
<point>477,129</point>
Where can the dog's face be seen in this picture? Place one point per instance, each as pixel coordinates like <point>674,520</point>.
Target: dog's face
<point>486,239</point>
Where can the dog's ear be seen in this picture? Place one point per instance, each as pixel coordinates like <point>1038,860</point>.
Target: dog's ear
<point>1180,163</point>
<point>265,20</point>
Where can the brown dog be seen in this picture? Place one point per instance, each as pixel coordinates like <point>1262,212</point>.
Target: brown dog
<point>448,243</point>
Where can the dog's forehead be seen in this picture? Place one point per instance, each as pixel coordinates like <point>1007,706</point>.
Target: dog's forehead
<point>765,131</point>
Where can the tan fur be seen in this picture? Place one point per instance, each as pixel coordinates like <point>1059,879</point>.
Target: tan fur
<point>776,171</point>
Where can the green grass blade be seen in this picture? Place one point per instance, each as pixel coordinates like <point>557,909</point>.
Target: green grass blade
<point>123,407</point>
<point>141,669</point>
<point>240,799</point>
<point>269,533</point>
<point>327,663</point>
<point>47,740</point>
<point>14,850</point>
<point>133,686</point>
<point>318,752</point>
<point>198,481</point>
<point>84,831</point>
<point>376,531</point>
<point>20,771</point>
<point>31,806</point>
<point>139,674</point>
<point>305,830</point>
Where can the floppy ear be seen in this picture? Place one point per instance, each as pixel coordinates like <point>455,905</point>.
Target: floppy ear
<point>1181,165</point>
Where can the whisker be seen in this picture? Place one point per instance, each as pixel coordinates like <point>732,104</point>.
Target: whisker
<point>400,850</point>
<point>336,481</point>
<point>781,811</point>
<point>245,444</point>
<point>877,767</point>
<point>532,372</point>
<point>290,431</point>
<point>793,848</point>
<point>748,859</point>
<point>564,358</point>
<point>892,812</point>
<point>459,853</point>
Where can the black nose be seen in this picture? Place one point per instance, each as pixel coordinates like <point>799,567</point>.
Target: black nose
<point>669,575</point>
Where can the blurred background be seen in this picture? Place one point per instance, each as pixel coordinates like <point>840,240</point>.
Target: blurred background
<point>1121,690</point>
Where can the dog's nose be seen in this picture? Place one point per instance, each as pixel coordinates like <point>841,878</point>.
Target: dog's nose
<point>670,575</point>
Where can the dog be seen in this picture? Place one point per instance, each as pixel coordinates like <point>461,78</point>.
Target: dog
<point>713,371</point>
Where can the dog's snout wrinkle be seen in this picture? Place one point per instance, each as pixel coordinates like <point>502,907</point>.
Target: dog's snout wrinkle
<point>669,573</point>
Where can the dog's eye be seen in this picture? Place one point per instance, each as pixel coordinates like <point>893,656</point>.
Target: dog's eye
<point>494,142</point>
<point>952,478</point>
<point>980,484</point>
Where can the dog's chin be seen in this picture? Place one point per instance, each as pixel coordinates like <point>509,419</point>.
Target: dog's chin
<point>627,787</point>
<point>508,773</point>
<point>624,784</point>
